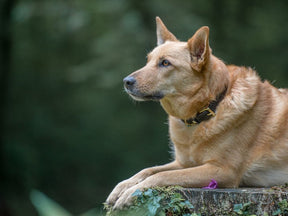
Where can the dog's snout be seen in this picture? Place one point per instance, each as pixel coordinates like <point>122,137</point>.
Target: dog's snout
<point>129,81</point>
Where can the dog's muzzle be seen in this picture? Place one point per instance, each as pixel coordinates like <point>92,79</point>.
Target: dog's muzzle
<point>130,86</point>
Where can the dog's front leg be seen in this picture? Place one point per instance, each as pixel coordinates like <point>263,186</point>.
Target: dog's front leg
<point>190,177</point>
<point>136,179</point>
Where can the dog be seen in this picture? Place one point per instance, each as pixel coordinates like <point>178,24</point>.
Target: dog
<point>224,122</point>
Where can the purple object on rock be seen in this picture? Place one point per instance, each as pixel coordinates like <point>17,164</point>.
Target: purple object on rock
<point>212,185</point>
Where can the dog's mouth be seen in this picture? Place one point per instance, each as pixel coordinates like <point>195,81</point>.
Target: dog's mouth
<point>139,96</point>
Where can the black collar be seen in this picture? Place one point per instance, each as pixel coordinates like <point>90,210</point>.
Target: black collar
<point>206,113</point>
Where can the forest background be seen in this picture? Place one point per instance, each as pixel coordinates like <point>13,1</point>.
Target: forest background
<point>67,128</point>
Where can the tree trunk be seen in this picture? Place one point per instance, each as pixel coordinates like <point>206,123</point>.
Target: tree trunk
<point>5,69</point>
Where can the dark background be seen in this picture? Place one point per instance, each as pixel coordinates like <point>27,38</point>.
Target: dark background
<point>67,127</point>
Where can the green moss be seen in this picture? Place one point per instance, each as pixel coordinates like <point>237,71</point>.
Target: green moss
<point>160,201</point>
<point>246,209</point>
<point>282,208</point>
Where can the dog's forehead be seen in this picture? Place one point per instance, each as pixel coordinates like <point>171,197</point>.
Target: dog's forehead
<point>169,48</point>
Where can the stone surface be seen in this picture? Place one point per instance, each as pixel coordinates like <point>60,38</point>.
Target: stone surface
<point>250,201</point>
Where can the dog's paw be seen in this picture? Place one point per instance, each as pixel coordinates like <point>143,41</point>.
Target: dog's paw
<point>118,191</point>
<point>125,200</point>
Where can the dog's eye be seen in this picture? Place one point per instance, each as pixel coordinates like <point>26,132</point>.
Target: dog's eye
<point>164,63</point>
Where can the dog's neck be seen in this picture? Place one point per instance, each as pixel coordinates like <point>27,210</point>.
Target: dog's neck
<point>206,113</point>
<point>194,112</point>
<point>184,106</point>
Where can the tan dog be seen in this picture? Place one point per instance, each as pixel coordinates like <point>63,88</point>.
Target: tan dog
<point>225,123</point>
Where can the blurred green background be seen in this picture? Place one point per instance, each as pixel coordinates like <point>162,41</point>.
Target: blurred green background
<point>67,127</point>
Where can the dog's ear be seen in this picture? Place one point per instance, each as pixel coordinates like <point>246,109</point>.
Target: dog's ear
<point>163,34</point>
<point>199,48</point>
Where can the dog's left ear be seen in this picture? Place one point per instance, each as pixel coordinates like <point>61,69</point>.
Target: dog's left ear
<point>199,48</point>
<point>163,34</point>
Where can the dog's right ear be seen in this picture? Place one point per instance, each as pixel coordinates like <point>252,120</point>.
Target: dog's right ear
<point>163,34</point>
<point>199,48</point>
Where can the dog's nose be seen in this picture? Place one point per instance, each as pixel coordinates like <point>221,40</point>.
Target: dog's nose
<point>129,81</point>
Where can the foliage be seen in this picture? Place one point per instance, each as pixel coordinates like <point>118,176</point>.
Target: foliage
<point>69,128</point>
<point>282,208</point>
<point>243,209</point>
<point>157,201</point>
<point>45,206</point>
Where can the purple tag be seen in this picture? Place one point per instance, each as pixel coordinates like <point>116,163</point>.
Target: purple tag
<point>212,185</point>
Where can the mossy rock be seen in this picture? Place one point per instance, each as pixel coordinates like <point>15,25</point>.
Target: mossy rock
<point>172,201</point>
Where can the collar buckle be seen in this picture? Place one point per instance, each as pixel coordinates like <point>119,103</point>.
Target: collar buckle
<point>210,112</point>
<point>190,122</point>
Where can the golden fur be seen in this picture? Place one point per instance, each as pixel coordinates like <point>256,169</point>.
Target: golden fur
<point>245,144</point>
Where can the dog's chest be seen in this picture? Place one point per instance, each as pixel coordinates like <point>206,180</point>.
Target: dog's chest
<point>193,145</point>
<point>185,156</point>
<point>186,144</point>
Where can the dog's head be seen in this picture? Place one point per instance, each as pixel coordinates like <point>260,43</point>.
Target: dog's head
<point>174,69</point>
